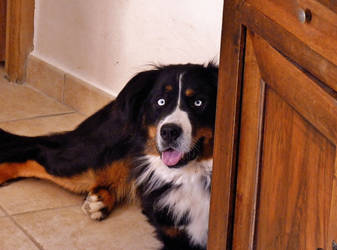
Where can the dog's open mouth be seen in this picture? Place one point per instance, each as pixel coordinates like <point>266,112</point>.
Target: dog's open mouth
<point>174,158</point>
<point>171,157</point>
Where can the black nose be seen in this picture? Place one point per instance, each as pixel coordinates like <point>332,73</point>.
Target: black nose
<point>170,132</point>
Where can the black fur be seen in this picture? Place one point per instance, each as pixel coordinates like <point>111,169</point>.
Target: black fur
<point>160,218</point>
<point>107,136</point>
<point>117,131</point>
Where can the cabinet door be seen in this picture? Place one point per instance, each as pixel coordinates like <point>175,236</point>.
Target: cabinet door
<point>2,29</point>
<point>286,195</point>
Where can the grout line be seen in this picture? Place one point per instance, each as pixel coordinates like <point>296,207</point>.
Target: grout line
<point>64,104</point>
<point>35,242</point>
<point>45,95</point>
<point>51,98</point>
<point>44,210</point>
<point>3,211</point>
<point>63,93</point>
<point>39,116</point>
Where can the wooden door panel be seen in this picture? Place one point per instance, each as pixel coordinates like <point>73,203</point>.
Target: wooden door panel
<point>320,34</point>
<point>290,45</point>
<point>286,193</point>
<point>296,181</point>
<point>249,153</point>
<point>298,89</point>
<point>2,29</point>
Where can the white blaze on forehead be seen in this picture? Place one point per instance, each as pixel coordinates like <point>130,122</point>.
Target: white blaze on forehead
<point>180,87</point>
<point>180,118</point>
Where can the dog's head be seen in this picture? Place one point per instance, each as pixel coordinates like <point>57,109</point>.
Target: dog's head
<point>175,104</point>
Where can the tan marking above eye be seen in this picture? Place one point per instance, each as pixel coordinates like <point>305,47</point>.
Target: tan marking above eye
<point>189,92</point>
<point>168,87</point>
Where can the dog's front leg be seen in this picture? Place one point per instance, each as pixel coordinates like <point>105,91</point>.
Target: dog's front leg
<point>99,203</point>
<point>113,186</point>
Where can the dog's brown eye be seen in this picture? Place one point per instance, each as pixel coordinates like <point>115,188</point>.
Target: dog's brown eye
<point>161,102</point>
<point>197,103</point>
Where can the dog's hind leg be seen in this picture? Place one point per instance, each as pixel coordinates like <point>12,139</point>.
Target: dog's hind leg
<point>80,183</point>
<point>106,187</point>
<point>13,170</point>
<point>8,171</point>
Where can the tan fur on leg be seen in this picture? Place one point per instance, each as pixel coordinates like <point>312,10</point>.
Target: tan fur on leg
<point>78,183</point>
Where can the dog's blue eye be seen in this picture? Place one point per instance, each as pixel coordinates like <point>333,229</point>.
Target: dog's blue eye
<point>161,102</point>
<point>197,103</point>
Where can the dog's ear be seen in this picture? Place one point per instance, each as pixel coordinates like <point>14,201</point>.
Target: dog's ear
<point>132,97</point>
<point>213,69</point>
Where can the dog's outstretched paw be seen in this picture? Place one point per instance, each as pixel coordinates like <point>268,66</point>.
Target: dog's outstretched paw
<point>94,207</point>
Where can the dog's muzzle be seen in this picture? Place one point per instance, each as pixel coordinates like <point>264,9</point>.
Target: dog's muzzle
<point>170,134</point>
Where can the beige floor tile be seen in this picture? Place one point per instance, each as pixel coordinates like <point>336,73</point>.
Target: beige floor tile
<point>125,229</point>
<point>1,213</point>
<point>21,102</point>
<point>11,237</point>
<point>43,125</point>
<point>30,195</point>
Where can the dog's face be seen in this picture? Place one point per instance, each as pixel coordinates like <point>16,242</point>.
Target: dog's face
<point>171,111</point>
<point>179,114</point>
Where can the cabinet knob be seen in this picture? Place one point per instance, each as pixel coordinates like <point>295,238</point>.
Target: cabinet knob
<point>304,16</point>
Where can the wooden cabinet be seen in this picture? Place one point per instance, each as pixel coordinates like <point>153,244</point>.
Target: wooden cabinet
<point>2,29</point>
<point>274,182</point>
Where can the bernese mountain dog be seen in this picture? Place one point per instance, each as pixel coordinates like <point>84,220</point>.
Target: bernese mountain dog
<point>153,143</point>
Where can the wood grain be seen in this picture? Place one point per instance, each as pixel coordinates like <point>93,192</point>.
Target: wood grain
<point>286,182</point>
<point>290,46</point>
<point>3,9</point>
<point>222,193</point>
<point>332,233</point>
<point>300,91</point>
<point>249,153</point>
<point>19,37</point>
<point>299,143</point>
<point>331,4</point>
<point>320,34</point>
<point>296,181</point>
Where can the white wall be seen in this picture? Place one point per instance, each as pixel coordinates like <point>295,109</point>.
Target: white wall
<point>105,42</point>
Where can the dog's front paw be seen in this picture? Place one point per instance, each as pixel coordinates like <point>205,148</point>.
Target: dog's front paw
<point>94,207</point>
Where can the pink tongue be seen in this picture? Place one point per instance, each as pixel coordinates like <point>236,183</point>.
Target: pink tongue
<point>171,157</point>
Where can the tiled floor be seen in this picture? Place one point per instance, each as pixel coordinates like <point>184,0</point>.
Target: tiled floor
<point>36,214</point>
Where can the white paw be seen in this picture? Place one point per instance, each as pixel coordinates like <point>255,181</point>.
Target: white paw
<point>93,207</point>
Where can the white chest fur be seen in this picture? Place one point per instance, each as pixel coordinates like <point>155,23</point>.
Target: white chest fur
<point>191,197</point>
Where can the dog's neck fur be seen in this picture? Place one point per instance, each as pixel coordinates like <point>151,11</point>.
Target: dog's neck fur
<point>190,196</point>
